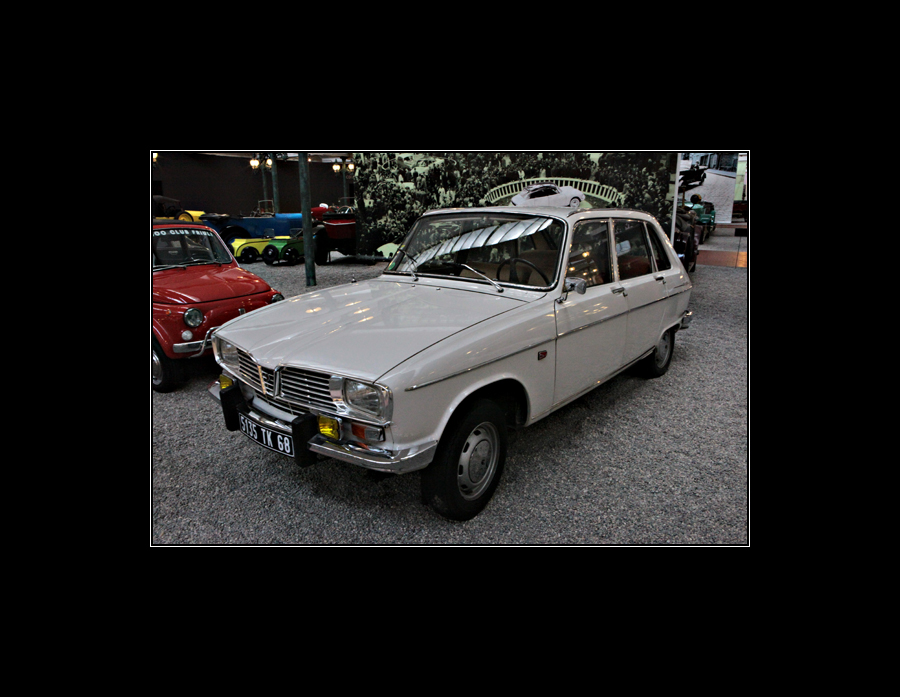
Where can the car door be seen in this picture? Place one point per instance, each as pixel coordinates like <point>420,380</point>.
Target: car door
<point>641,287</point>
<point>591,327</point>
<point>666,272</point>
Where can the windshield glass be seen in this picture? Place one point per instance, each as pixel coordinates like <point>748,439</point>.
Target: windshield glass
<point>185,246</point>
<point>504,247</point>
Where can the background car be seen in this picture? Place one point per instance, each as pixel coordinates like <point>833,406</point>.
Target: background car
<point>548,195</point>
<point>197,287</point>
<point>249,249</point>
<point>262,224</point>
<point>165,207</point>
<point>286,249</point>
<point>340,233</point>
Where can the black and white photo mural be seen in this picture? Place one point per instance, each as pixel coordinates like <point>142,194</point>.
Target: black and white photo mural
<point>394,188</point>
<point>718,178</point>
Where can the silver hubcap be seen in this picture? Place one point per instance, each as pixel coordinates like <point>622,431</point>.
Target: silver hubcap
<point>478,461</point>
<point>155,368</point>
<point>663,349</point>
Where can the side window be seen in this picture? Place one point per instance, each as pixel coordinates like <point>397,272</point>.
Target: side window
<point>662,259</point>
<point>631,249</point>
<point>589,258</point>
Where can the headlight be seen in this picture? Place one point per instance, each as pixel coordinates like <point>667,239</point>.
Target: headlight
<point>193,317</point>
<point>226,354</point>
<point>371,399</point>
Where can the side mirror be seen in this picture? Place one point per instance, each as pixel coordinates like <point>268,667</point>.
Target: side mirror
<point>579,285</point>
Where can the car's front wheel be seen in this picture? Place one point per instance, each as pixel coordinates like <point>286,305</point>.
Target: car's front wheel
<point>466,470</point>
<point>165,374</point>
<point>270,255</point>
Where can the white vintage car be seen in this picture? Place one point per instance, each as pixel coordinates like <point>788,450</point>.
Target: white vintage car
<point>548,194</point>
<point>486,319</point>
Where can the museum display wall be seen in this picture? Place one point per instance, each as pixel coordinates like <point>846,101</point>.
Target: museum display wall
<point>228,184</point>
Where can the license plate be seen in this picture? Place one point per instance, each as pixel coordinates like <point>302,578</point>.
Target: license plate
<point>266,437</point>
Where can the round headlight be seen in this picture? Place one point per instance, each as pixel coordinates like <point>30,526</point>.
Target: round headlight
<point>193,317</point>
<point>371,399</point>
<point>226,353</point>
<point>277,297</point>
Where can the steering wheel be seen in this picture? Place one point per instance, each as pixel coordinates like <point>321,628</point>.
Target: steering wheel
<point>513,276</point>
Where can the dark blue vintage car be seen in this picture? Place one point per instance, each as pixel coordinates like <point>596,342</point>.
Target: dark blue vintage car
<point>231,227</point>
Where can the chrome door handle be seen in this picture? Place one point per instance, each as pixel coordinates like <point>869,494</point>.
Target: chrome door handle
<point>660,278</point>
<point>620,290</point>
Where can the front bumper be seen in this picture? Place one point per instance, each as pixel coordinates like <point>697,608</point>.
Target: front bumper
<point>309,444</point>
<point>686,320</point>
<point>197,348</point>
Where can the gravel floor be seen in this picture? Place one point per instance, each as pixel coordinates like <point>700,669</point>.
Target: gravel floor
<point>634,462</point>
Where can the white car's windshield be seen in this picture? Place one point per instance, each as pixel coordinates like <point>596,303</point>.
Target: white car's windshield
<point>174,247</point>
<point>483,247</point>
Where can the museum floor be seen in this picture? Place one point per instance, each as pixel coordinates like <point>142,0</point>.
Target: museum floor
<point>724,248</point>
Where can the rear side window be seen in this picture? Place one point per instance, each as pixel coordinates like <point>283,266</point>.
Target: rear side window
<point>659,254</point>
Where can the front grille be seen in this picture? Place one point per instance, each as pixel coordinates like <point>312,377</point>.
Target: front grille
<point>250,373</point>
<point>307,388</point>
<point>299,390</point>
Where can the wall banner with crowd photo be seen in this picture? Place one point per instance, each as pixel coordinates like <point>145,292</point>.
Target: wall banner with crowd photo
<point>394,189</point>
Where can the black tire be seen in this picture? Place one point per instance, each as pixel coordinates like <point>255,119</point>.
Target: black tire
<point>270,254</point>
<point>469,462</point>
<point>657,363</point>
<point>321,255</point>
<point>249,255</point>
<point>166,374</point>
<point>292,256</point>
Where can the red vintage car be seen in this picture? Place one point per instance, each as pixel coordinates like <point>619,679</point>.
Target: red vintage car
<point>197,287</point>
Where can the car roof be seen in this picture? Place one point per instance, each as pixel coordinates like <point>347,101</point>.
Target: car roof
<point>554,211</point>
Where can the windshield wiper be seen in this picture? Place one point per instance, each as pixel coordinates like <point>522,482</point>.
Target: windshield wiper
<point>170,266</point>
<point>414,261</point>
<point>489,280</point>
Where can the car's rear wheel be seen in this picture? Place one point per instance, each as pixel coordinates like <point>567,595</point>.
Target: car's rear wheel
<point>657,363</point>
<point>249,255</point>
<point>466,470</point>
<point>292,255</point>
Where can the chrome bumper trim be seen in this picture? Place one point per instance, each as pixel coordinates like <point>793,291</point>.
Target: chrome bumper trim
<point>381,461</point>
<point>195,347</point>
<point>404,461</point>
<point>686,320</point>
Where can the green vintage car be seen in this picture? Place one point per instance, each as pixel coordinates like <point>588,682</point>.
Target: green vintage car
<point>286,249</point>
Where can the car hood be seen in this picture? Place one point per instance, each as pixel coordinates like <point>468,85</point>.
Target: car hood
<point>205,283</point>
<point>360,330</point>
